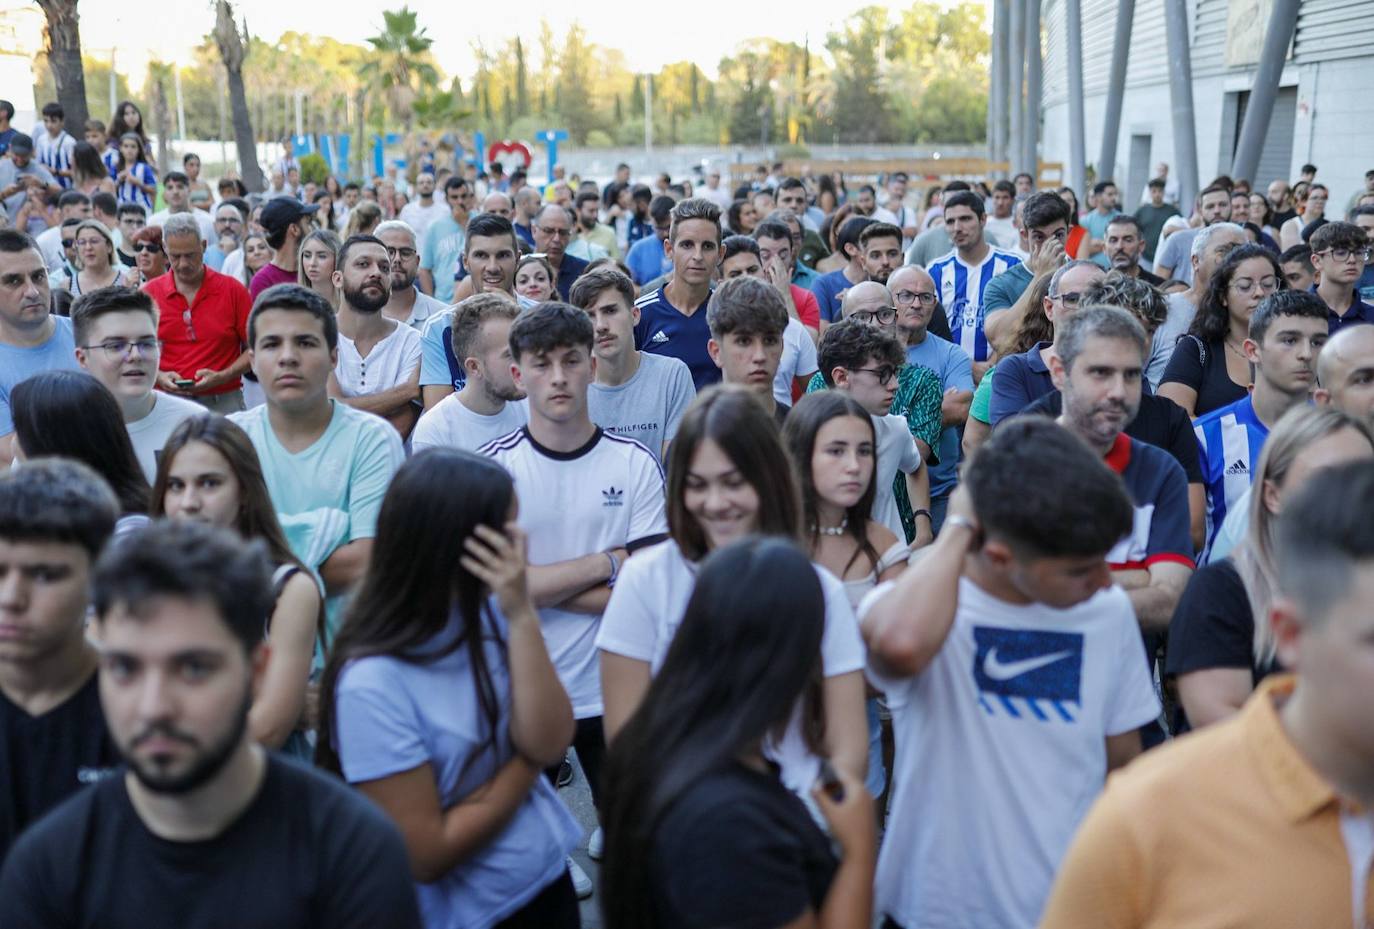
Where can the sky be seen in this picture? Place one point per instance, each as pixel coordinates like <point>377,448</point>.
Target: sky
<point>136,37</point>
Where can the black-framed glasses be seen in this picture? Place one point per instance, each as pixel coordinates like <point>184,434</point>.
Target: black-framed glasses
<point>1341,255</point>
<point>885,374</point>
<point>908,297</point>
<point>1072,298</point>
<point>884,316</point>
<point>118,349</point>
<point>552,231</point>
<point>404,254</point>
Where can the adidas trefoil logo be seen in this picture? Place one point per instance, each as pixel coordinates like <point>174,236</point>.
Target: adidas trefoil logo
<point>612,497</point>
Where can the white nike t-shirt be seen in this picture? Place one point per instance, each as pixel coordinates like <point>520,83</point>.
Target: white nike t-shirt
<point>602,496</point>
<point>1001,750</point>
<point>896,452</point>
<point>646,609</point>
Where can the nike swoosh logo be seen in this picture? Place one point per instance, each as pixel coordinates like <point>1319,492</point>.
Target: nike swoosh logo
<point>1005,671</point>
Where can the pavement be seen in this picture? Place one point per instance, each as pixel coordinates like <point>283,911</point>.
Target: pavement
<point>578,798</point>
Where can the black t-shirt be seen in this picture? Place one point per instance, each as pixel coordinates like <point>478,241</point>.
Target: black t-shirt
<point>738,849</point>
<point>1203,368</point>
<point>308,852</point>
<point>1213,625</point>
<point>45,759</point>
<point>1160,422</point>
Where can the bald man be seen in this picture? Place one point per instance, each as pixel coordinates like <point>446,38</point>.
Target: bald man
<point>498,203</point>
<point>913,293</point>
<point>1345,372</point>
<point>917,401</point>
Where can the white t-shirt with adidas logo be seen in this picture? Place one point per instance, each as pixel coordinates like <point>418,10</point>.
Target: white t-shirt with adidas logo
<point>605,495</point>
<point>1001,750</point>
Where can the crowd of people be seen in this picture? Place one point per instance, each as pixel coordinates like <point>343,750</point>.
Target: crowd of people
<point>847,541</point>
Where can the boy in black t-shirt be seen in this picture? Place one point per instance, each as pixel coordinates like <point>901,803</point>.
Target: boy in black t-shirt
<point>204,826</point>
<point>55,516</point>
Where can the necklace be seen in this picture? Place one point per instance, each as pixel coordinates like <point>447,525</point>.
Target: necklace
<point>1236,351</point>
<point>834,530</point>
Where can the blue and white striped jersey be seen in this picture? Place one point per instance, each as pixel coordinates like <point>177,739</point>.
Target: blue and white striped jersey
<point>54,154</point>
<point>961,288</point>
<point>1229,441</point>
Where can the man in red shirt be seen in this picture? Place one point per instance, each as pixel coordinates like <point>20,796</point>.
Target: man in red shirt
<point>202,322</point>
<point>287,222</point>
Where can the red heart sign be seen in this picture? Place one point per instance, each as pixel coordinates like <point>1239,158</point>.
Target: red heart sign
<point>507,146</point>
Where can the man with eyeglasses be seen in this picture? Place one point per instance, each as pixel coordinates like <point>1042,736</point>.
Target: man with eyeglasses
<point>407,304</point>
<point>1022,379</point>
<point>917,400</point>
<point>203,323</point>
<point>918,312</point>
<point>132,217</point>
<point>116,343</point>
<point>444,241</point>
<point>1340,252</point>
<point>553,230</point>
<point>231,220</point>
<point>32,339</point>
<point>862,360</point>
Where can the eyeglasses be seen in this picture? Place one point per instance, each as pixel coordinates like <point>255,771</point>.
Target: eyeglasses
<point>190,328</point>
<point>552,231</point>
<point>146,247</point>
<point>885,374</point>
<point>1071,298</point>
<point>908,297</point>
<point>884,316</point>
<point>118,349</point>
<point>1244,285</point>
<point>1342,255</point>
<point>403,253</point>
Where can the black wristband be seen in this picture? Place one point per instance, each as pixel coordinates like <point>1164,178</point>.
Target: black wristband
<point>925,513</point>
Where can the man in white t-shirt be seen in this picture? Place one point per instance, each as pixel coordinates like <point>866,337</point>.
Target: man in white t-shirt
<point>424,209</point>
<point>378,369</point>
<point>115,329</point>
<point>588,499</point>
<point>407,304</point>
<point>321,458</point>
<point>863,361</point>
<point>176,194</point>
<point>635,394</point>
<point>1013,669</point>
<point>489,405</point>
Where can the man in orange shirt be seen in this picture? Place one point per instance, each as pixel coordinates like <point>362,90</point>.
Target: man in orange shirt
<point>1264,820</point>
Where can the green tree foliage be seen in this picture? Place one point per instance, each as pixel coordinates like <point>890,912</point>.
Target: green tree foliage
<point>97,89</point>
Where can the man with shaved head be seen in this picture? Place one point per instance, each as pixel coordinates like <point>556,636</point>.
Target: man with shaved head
<point>918,306</point>
<point>1345,372</point>
<point>498,203</point>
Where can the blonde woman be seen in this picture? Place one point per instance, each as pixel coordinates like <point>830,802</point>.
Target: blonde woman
<point>319,252</point>
<point>1219,641</point>
<point>96,265</point>
<point>362,219</point>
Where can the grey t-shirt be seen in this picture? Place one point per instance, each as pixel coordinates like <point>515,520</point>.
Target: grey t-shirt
<point>1181,313</point>
<point>931,244</point>
<point>9,174</point>
<point>1177,253</point>
<point>647,407</point>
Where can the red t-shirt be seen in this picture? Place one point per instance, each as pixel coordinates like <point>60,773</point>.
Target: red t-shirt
<point>268,275</point>
<point>808,310</point>
<point>219,322</point>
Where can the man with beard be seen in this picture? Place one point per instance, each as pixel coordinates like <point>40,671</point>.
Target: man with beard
<point>1123,244</point>
<point>1172,261</point>
<point>880,246</point>
<point>378,369</point>
<point>490,255</point>
<point>1098,367</point>
<point>204,822</point>
<point>408,304</point>
<point>424,209</point>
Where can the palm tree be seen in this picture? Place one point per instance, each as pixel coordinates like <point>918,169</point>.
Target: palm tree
<point>63,40</point>
<point>232,51</point>
<point>399,62</point>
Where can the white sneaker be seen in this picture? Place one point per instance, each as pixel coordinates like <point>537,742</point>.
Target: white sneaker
<point>596,845</point>
<point>582,884</point>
